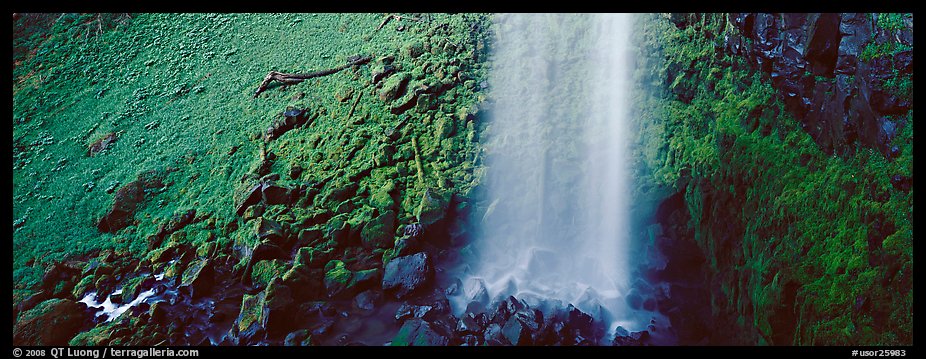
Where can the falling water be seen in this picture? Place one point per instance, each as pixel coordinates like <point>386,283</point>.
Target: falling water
<point>557,185</point>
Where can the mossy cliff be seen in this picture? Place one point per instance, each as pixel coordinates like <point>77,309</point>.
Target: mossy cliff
<point>806,233</point>
<point>139,145</point>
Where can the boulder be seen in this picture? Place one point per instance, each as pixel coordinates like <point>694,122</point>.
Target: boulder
<point>337,278</point>
<point>52,322</point>
<point>394,87</point>
<point>308,238</point>
<point>362,280</point>
<point>417,332</point>
<point>312,257</point>
<point>122,212</point>
<point>249,322</point>
<point>200,277</point>
<point>475,291</point>
<point>433,207</point>
<point>265,271</point>
<point>493,335</point>
<point>276,315</point>
<point>469,323</point>
<point>306,283</point>
<point>515,332</point>
<point>273,194</point>
<point>404,275</point>
<point>247,198</point>
<point>378,233</point>
<point>269,230</point>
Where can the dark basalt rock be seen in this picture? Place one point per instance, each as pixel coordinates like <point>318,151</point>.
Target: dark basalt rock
<point>251,197</point>
<point>802,53</point>
<point>126,201</point>
<point>417,332</point>
<point>273,194</point>
<point>200,277</point>
<point>405,275</point>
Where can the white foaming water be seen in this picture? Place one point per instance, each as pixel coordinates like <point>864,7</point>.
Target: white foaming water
<point>110,309</point>
<point>558,173</point>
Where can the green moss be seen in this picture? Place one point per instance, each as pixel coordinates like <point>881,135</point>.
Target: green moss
<point>250,315</point>
<point>177,89</point>
<point>266,270</point>
<point>432,208</point>
<point>96,336</point>
<point>801,218</point>
<point>891,21</point>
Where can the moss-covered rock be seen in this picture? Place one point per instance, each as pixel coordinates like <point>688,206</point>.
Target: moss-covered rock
<point>337,278</point>
<point>306,283</point>
<point>417,332</point>
<point>265,271</point>
<point>52,322</point>
<point>312,257</point>
<point>432,208</point>
<point>394,87</point>
<point>378,233</point>
<point>382,199</point>
<point>249,318</point>
<point>82,287</point>
<point>200,277</point>
<point>338,230</point>
<point>100,335</point>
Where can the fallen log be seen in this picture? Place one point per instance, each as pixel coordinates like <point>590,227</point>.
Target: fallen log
<point>397,17</point>
<point>297,78</point>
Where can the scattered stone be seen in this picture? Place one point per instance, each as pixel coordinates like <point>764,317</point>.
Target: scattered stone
<point>406,274</point>
<point>367,300</point>
<point>407,311</point>
<point>300,338</point>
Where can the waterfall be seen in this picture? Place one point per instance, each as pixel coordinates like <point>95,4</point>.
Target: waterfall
<point>556,227</point>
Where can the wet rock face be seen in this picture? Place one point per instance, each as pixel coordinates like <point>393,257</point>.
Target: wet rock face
<point>819,65</point>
